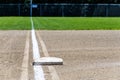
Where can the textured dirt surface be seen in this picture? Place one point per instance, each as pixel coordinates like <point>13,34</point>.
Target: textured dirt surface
<point>12,47</point>
<point>12,44</point>
<point>88,55</point>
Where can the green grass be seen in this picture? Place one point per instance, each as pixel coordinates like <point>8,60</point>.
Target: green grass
<point>77,23</point>
<point>60,23</point>
<point>15,23</point>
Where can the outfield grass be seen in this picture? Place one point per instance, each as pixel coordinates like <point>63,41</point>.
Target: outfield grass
<point>15,23</point>
<point>60,23</point>
<point>77,23</point>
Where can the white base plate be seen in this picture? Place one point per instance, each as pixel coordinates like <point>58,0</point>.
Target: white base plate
<point>49,61</point>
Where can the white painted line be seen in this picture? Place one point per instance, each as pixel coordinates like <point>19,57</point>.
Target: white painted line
<point>24,73</point>
<point>44,49</point>
<point>38,71</point>
<point>51,68</point>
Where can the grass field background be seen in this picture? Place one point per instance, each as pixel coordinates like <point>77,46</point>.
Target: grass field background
<point>15,23</point>
<point>60,23</point>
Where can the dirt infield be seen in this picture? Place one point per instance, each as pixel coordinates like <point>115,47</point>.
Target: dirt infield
<point>12,45</point>
<point>87,55</point>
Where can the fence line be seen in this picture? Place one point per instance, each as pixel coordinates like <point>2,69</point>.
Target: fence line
<point>60,9</point>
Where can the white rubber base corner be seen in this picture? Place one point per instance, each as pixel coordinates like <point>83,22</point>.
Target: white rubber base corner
<point>49,61</point>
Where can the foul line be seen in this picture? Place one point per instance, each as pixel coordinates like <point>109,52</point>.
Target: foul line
<point>51,68</point>
<point>24,73</point>
<point>38,71</point>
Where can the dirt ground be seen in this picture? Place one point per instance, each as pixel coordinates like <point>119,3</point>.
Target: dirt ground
<point>87,55</point>
<point>12,44</point>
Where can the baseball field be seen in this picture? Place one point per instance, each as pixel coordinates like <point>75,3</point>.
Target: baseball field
<point>60,23</point>
<point>89,47</point>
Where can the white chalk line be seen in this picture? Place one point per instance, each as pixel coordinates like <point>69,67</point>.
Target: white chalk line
<point>51,68</point>
<point>38,71</point>
<point>24,73</point>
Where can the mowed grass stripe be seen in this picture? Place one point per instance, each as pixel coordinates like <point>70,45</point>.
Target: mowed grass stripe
<point>15,23</point>
<point>77,23</point>
<point>60,23</point>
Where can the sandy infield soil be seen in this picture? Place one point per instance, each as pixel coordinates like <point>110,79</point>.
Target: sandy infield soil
<point>12,45</point>
<point>88,55</point>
